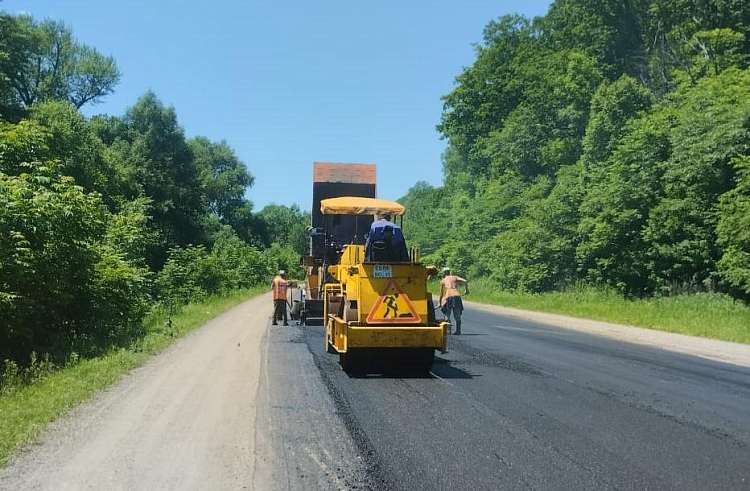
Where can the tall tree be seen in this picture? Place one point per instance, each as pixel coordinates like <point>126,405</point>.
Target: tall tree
<point>151,146</point>
<point>711,131</point>
<point>486,92</point>
<point>606,30</point>
<point>74,143</point>
<point>733,230</point>
<point>694,37</point>
<point>69,275</point>
<point>612,106</point>
<point>43,61</point>
<point>285,225</point>
<point>225,178</point>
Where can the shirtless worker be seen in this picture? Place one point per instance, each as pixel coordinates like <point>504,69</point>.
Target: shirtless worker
<point>450,297</point>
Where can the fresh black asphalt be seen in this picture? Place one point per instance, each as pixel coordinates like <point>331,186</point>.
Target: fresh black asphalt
<point>514,405</point>
<point>521,405</point>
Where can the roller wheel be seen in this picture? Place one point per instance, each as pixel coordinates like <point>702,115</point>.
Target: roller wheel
<point>350,362</point>
<point>421,360</point>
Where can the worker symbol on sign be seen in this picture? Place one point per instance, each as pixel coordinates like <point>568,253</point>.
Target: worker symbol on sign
<point>393,306</point>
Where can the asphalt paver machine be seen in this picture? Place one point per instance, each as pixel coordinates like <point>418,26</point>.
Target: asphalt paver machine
<point>332,180</point>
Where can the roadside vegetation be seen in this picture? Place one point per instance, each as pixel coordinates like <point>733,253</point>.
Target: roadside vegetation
<point>117,233</point>
<point>606,144</point>
<point>709,315</point>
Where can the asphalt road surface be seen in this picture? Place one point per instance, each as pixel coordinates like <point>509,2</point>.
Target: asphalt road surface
<point>515,404</point>
<point>522,405</point>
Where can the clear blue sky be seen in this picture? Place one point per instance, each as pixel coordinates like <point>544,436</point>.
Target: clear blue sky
<point>287,83</point>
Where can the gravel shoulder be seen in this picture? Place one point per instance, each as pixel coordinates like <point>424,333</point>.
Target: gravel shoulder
<point>710,349</point>
<point>184,420</point>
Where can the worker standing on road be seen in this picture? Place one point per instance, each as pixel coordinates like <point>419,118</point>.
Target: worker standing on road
<point>450,297</point>
<point>279,287</point>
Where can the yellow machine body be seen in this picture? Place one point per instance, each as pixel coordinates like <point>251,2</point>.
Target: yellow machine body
<point>379,305</point>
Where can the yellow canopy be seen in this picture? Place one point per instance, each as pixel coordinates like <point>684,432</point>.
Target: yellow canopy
<point>350,205</point>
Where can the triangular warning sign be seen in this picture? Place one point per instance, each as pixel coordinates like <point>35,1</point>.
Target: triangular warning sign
<point>393,306</point>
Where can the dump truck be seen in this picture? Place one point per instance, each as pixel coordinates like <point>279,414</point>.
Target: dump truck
<point>331,180</point>
<point>377,309</point>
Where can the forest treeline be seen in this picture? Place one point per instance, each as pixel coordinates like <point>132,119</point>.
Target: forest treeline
<point>102,218</point>
<point>604,143</point>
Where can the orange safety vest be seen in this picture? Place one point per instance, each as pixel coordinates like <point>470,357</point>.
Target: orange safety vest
<point>279,288</point>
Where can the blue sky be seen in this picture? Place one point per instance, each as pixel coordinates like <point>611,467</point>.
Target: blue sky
<point>289,83</point>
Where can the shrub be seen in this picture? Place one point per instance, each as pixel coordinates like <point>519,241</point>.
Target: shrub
<point>61,286</point>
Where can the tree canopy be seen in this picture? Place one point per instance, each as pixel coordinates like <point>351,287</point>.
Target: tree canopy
<point>41,61</point>
<point>603,142</point>
<point>103,218</point>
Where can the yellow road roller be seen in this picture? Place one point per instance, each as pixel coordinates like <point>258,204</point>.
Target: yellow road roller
<point>377,309</point>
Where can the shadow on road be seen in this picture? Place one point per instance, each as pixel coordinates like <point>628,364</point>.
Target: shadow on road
<point>442,368</point>
<point>389,374</point>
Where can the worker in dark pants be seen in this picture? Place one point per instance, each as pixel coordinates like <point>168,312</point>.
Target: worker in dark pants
<point>279,287</point>
<point>450,297</point>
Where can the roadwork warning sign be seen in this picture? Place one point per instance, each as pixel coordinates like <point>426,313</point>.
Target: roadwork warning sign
<point>393,306</point>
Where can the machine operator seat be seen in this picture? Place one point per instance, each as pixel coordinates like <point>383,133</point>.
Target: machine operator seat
<point>386,244</point>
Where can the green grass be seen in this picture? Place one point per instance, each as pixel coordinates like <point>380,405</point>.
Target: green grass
<point>25,410</point>
<point>709,315</point>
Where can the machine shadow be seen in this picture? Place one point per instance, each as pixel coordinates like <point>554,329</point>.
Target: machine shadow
<point>444,369</point>
<point>441,369</point>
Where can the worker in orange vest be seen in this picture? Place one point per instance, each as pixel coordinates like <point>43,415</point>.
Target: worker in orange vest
<point>279,287</point>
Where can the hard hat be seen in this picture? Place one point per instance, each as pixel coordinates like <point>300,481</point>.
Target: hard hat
<point>282,272</point>
<point>446,269</point>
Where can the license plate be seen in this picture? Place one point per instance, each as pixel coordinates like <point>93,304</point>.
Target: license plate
<point>383,271</point>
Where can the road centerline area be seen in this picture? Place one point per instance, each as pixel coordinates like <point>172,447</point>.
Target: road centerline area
<point>518,408</point>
